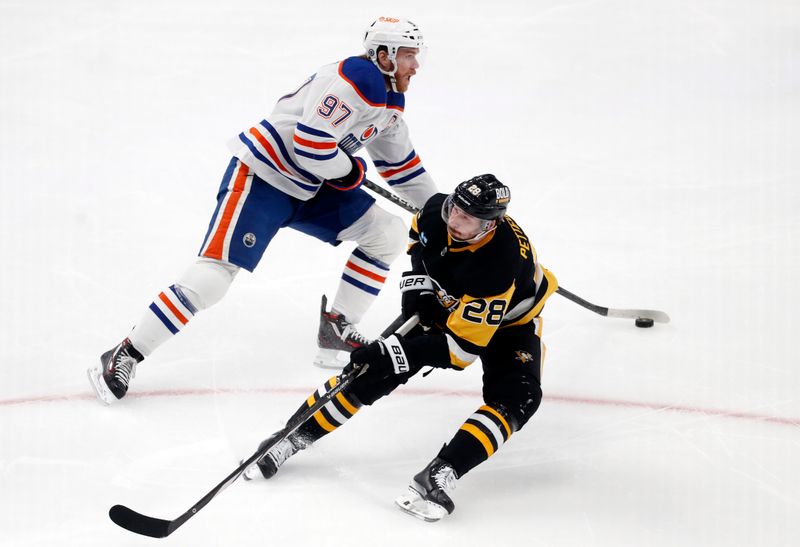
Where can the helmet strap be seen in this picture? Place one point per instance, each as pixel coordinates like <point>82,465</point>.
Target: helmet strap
<point>392,57</point>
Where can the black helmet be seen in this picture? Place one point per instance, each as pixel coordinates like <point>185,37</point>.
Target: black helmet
<point>483,197</point>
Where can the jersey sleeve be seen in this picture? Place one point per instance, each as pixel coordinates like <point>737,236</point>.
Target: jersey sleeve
<point>398,163</point>
<point>333,106</point>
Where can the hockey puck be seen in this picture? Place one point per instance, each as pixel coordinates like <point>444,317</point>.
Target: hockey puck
<point>644,322</point>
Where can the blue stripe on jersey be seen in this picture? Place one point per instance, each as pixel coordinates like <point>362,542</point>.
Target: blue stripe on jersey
<point>408,158</point>
<point>398,100</point>
<point>320,157</point>
<point>266,125</point>
<point>358,253</point>
<point>261,157</point>
<point>167,323</point>
<point>183,300</point>
<point>367,79</point>
<point>409,177</point>
<point>363,286</point>
<point>315,132</point>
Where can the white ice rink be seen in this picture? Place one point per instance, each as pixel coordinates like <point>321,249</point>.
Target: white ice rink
<point>653,152</point>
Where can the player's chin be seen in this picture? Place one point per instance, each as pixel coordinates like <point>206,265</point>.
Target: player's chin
<point>402,84</point>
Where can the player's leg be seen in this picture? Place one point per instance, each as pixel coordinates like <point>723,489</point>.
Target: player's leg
<point>365,390</point>
<point>334,216</point>
<point>511,392</point>
<point>238,234</point>
<point>381,237</point>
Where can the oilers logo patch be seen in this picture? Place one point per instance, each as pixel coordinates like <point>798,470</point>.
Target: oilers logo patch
<point>368,133</point>
<point>249,239</point>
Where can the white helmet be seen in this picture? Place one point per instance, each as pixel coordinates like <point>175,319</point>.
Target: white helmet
<point>393,33</point>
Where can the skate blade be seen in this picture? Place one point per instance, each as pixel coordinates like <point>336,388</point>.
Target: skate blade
<point>102,392</point>
<point>415,505</point>
<point>329,358</point>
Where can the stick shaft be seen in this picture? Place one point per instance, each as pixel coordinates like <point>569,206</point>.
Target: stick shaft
<point>655,315</point>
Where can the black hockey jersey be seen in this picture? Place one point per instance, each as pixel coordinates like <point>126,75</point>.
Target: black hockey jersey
<point>494,283</point>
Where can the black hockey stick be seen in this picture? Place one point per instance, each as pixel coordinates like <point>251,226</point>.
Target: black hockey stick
<point>654,315</point>
<point>159,528</point>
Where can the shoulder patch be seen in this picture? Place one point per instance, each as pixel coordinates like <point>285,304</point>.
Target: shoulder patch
<point>366,80</point>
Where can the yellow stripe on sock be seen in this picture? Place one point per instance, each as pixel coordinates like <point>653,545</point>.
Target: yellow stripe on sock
<point>481,436</point>
<point>345,403</point>
<point>323,423</point>
<point>499,417</point>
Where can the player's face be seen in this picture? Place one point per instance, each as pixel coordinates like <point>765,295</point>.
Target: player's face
<point>463,226</point>
<point>407,65</point>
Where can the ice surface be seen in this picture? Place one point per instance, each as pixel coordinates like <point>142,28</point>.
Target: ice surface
<point>652,151</point>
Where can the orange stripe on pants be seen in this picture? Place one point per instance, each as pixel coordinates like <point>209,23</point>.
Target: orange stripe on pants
<point>215,246</point>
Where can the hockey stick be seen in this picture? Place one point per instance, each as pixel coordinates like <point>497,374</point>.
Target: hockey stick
<point>159,528</point>
<point>639,315</point>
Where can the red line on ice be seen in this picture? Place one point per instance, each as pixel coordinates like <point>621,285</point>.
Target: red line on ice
<point>302,391</point>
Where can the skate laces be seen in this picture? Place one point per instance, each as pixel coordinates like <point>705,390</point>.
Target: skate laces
<point>344,329</point>
<point>445,478</point>
<point>124,367</point>
<point>350,333</point>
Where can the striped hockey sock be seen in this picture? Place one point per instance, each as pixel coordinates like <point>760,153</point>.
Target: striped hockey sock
<point>481,436</point>
<point>331,416</point>
<point>165,317</point>
<point>362,280</point>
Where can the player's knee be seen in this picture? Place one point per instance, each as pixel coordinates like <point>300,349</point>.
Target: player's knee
<point>387,237</point>
<point>519,410</point>
<point>206,281</point>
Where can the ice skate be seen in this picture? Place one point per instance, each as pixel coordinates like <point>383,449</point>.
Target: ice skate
<point>336,335</point>
<point>111,376</point>
<point>428,494</point>
<point>268,465</point>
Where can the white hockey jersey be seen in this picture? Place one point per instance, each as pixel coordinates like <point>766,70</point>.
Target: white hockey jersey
<point>308,136</point>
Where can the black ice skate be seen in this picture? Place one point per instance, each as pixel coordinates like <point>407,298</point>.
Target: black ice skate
<point>112,375</point>
<point>336,334</point>
<point>268,465</point>
<point>428,496</point>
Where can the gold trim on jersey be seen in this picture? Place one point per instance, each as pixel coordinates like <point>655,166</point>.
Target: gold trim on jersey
<point>458,357</point>
<point>474,318</point>
<point>473,246</point>
<point>552,285</point>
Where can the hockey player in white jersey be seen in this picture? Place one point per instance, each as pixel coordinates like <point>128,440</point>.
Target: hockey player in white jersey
<point>298,168</point>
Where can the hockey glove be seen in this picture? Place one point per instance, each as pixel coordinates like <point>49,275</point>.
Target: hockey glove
<point>353,179</point>
<point>384,357</point>
<point>419,297</point>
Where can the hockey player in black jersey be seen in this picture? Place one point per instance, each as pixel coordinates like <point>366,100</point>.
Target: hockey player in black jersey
<point>478,289</point>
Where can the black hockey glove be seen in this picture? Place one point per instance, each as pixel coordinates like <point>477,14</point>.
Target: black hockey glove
<point>419,297</point>
<point>384,358</point>
<point>353,179</point>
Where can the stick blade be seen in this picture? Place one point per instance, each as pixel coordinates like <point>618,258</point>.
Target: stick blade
<point>139,523</point>
<point>655,315</point>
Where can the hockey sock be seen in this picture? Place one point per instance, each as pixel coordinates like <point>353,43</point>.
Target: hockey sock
<point>362,280</point>
<point>481,436</point>
<point>330,417</point>
<point>165,317</point>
